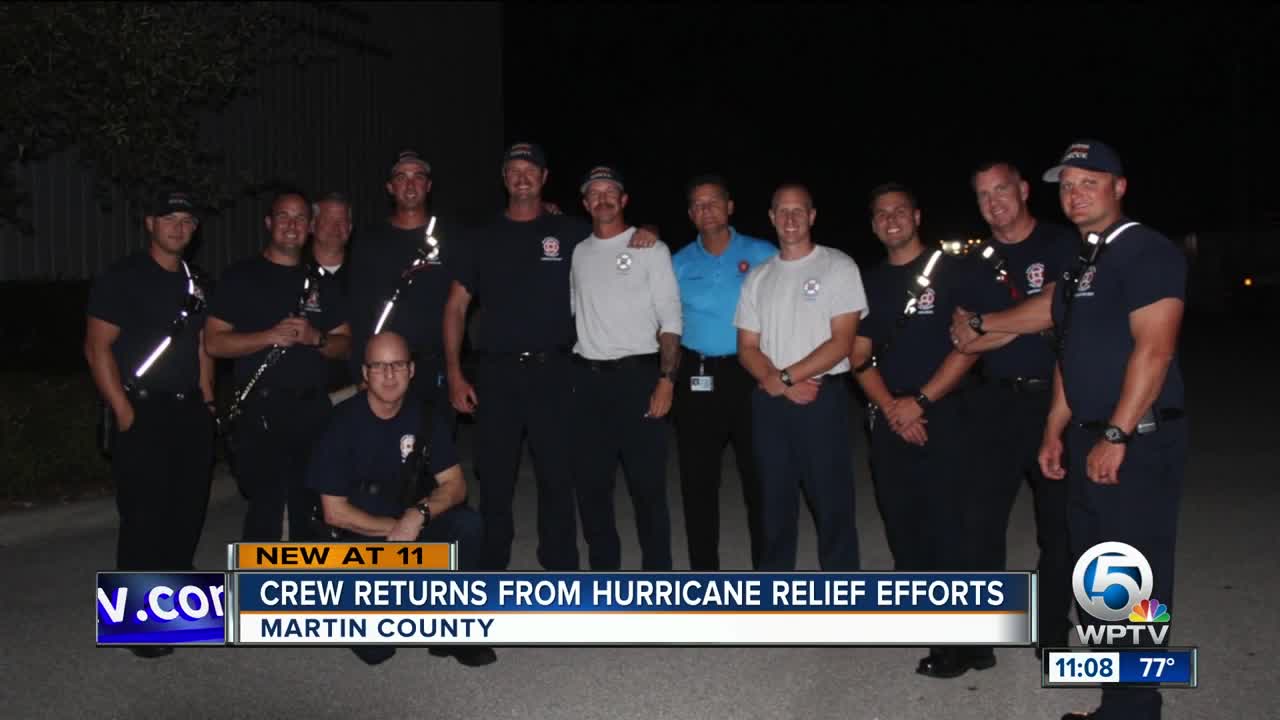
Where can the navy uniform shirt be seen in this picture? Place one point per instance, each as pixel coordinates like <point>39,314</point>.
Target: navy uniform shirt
<point>359,450</point>
<point>918,347</point>
<point>519,274</point>
<point>143,299</point>
<point>709,290</point>
<point>1139,267</point>
<point>380,255</point>
<point>255,294</point>
<point>1038,260</point>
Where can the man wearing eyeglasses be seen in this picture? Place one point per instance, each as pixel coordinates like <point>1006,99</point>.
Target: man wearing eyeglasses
<point>382,257</point>
<point>159,393</point>
<point>357,470</point>
<point>260,305</point>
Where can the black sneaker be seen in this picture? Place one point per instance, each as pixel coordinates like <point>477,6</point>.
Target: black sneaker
<point>151,651</point>
<point>469,655</point>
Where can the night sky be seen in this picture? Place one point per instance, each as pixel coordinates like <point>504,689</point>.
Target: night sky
<point>843,99</point>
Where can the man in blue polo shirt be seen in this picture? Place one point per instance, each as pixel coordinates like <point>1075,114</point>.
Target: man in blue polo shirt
<point>713,390</point>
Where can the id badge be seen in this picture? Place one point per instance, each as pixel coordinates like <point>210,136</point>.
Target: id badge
<point>702,383</point>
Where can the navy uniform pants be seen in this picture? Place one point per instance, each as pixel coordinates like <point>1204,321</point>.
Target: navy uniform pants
<point>1140,510</point>
<point>516,394</point>
<point>705,422</point>
<point>610,403</point>
<point>458,524</point>
<point>161,470</point>
<point>925,492</point>
<point>1011,418</point>
<point>806,448</point>
<point>275,438</point>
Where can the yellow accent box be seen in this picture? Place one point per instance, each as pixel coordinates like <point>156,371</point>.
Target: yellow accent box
<point>342,556</point>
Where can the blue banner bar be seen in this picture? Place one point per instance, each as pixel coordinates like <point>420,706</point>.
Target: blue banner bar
<point>633,592</point>
<point>1167,667</point>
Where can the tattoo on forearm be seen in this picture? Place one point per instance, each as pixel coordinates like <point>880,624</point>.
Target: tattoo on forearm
<point>669,349</point>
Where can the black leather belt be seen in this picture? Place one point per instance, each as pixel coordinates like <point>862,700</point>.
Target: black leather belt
<point>142,393</point>
<point>1148,423</point>
<point>289,393</point>
<point>528,357</point>
<point>1024,384</point>
<point>622,363</point>
<point>708,361</point>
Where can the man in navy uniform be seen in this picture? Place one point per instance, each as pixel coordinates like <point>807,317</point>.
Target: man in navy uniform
<point>1030,255</point>
<point>713,390</point>
<point>260,305</point>
<point>381,260</point>
<point>357,470</point>
<point>925,425</point>
<point>163,446</point>
<point>797,316</point>
<point>1116,430</point>
<point>517,267</point>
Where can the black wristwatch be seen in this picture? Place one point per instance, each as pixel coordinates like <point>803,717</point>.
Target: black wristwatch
<point>1113,434</point>
<point>669,375</point>
<point>975,322</point>
<point>426,513</point>
<point>923,401</point>
<point>786,378</point>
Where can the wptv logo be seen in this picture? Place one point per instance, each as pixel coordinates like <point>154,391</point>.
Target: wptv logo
<point>1112,582</point>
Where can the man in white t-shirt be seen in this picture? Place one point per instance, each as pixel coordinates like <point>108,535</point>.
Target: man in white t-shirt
<point>626,305</point>
<point>797,317</point>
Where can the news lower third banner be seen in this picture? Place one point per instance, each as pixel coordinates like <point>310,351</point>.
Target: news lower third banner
<point>411,594</point>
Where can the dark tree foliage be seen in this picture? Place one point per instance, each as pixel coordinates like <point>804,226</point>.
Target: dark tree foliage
<point>127,84</point>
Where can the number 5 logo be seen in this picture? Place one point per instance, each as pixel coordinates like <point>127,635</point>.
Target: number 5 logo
<point>1101,575</point>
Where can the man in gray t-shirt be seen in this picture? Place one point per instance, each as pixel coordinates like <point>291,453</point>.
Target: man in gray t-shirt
<point>626,306</point>
<point>797,316</point>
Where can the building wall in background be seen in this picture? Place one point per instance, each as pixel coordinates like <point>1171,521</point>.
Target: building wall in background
<point>427,76</point>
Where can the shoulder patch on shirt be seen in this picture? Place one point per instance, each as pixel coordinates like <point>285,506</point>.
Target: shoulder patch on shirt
<point>1035,277</point>
<point>811,288</point>
<point>551,249</point>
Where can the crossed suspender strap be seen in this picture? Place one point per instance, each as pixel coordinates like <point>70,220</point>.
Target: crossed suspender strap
<point>191,304</point>
<point>1091,250</point>
<point>428,252</point>
<point>921,283</point>
<point>314,272</point>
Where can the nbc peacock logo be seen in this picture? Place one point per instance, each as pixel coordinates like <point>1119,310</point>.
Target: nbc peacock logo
<point>1113,583</point>
<point>1149,611</point>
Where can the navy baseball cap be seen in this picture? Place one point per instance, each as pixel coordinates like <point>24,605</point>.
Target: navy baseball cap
<point>413,158</point>
<point>601,172</point>
<point>1088,155</point>
<point>530,152</point>
<point>172,201</point>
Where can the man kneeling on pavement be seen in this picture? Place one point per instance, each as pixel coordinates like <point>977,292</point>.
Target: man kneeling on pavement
<point>356,469</point>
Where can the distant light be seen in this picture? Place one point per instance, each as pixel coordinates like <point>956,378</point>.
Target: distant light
<point>1248,282</point>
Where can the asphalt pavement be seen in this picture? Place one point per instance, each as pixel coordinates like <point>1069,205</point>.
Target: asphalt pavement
<point>1226,568</point>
